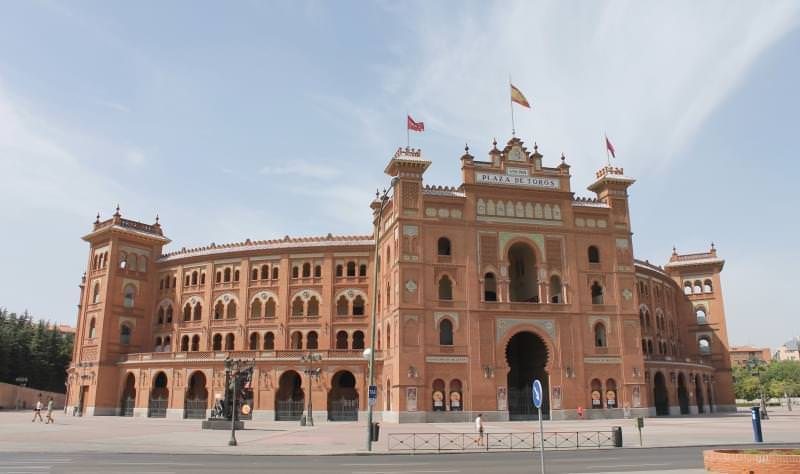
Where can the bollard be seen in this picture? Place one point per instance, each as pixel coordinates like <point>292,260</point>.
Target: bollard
<point>756,415</point>
<point>376,431</point>
<point>617,436</point>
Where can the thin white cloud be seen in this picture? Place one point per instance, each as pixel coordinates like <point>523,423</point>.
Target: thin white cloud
<point>301,168</point>
<point>114,106</point>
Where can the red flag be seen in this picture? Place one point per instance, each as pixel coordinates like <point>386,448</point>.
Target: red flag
<point>610,147</point>
<point>416,126</point>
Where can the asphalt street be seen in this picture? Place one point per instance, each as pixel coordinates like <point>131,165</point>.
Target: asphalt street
<point>583,461</point>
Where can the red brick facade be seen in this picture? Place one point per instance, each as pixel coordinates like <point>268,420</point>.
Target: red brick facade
<point>482,288</point>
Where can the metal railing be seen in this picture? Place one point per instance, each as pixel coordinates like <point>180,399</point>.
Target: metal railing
<point>522,441</point>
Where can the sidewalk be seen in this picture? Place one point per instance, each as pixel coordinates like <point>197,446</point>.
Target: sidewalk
<point>144,435</point>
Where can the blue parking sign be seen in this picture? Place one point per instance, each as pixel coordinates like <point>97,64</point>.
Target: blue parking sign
<point>537,393</point>
<point>373,394</point>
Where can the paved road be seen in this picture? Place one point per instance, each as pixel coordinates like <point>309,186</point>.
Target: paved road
<point>683,459</point>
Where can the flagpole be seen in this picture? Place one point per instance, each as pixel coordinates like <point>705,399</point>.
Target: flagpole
<point>408,132</point>
<point>605,144</point>
<point>511,104</point>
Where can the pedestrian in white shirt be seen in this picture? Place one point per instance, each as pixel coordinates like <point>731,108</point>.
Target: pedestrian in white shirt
<point>37,410</point>
<point>479,428</point>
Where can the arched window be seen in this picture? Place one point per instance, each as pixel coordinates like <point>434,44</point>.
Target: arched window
<point>313,306</point>
<point>707,288</point>
<point>226,275</point>
<point>611,393</point>
<point>187,312</point>
<point>445,288</point>
<point>255,309</point>
<point>269,308</point>
<point>92,328</point>
<point>130,294</point>
<point>339,270</point>
<point>342,306</point>
<point>597,293</point>
<point>600,335</point>
<point>362,270</point>
<point>236,275</point>
<point>295,272</point>
<point>160,315</point>
<point>254,341</point>
<point>296,340</point>
<point>489,287</point>
<point>161,284</point>
<point>231,310</point>
<point>455,395</point>
<point>169,314</point>
<point>524,286</point>
<point>358,306</point>
<point>254,274</point>
<point>687,288</point>
<point>264,272</point>
<point>202,279</point>
<point>195,343</point>
<point>132,262</point>
<point>219,277</point>
<point>555,289</point>
<point>297,306</point>
<point>704,344</point>
<point>306,270</point>
<point>194,278</point>
<point>124,335</point>
<point>275,273</point>
<point>649,346</point>
<point>219,309</point>
<point>318,271</point>
<point>217,342</point>
<point>701,315</point>
<point>123,262</point>
<point>443,247</point>
<point>187,280</point>
<point>594,254</point>
<point>312,340</point>
<point>341,340</point>
<point>438,395</point>
<point>358,340</point>
<point>185,344</point>
<point>96,293</point>
<point>198,311</point>
<point>388,294</point>
<point>269,341</point>
<point>351,269</point>
<point>388,337</point>
<point>229,340</point>
<point>378,339</point>
<point>167,344</point>
<point>698,287</point>
<point>445,333</point>
<point>158,344</point>
<point>142,264</point>
<point>597,393</point>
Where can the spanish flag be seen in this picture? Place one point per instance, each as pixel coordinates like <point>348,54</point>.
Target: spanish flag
<point>518,97</point>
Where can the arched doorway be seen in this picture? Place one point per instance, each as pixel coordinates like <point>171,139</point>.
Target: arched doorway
<point>683,394</point>
<point>196,401</point>
<point>290,397</point>
<point>526,355</point>
<point>660,395</point>
<point>524,286</point>
<point>128,396</point>
<point>159,397</point>
<point>343,397</point>
<point>698,394</point>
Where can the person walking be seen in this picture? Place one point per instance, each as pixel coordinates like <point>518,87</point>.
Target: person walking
<point>50,405</point>
<point>37,410</point>
<point>479,428</point>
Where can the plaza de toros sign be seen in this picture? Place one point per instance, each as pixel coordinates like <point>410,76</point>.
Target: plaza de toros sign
<point>514,179</point>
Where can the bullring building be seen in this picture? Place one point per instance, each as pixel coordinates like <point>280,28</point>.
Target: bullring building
<point>481,288</point>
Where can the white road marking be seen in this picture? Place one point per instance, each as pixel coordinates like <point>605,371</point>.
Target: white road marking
<point>399,464</point>
<point>402,472</point>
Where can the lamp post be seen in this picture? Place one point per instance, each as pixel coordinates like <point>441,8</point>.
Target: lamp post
<point>310,358</point>
<point>235,368</point>
<point>384,199</point>
<point>756,369</point>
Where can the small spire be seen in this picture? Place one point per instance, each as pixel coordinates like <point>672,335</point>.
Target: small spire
<point>674,250</point>
<point>712,246</point>
<point>156,219</point>
<point>97,220</point>
<point>563,157</point>
<point>466,148</point>
<point>494,143</point>
<point>535,147</point>
<point>117,214</point>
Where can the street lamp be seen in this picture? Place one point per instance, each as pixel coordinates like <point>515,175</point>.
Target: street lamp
<point>384,199</point>
<point>756,367</point>
<point>235,368</point>
<point>312,373</point>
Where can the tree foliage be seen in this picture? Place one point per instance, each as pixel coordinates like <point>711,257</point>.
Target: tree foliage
<point>778,378</point>
<point>35,350</point>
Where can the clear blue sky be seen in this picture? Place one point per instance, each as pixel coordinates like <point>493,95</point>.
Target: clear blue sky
<point>256,119</point>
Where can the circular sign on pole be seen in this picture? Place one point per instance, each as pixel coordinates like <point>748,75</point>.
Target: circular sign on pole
<point>537,393</point>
